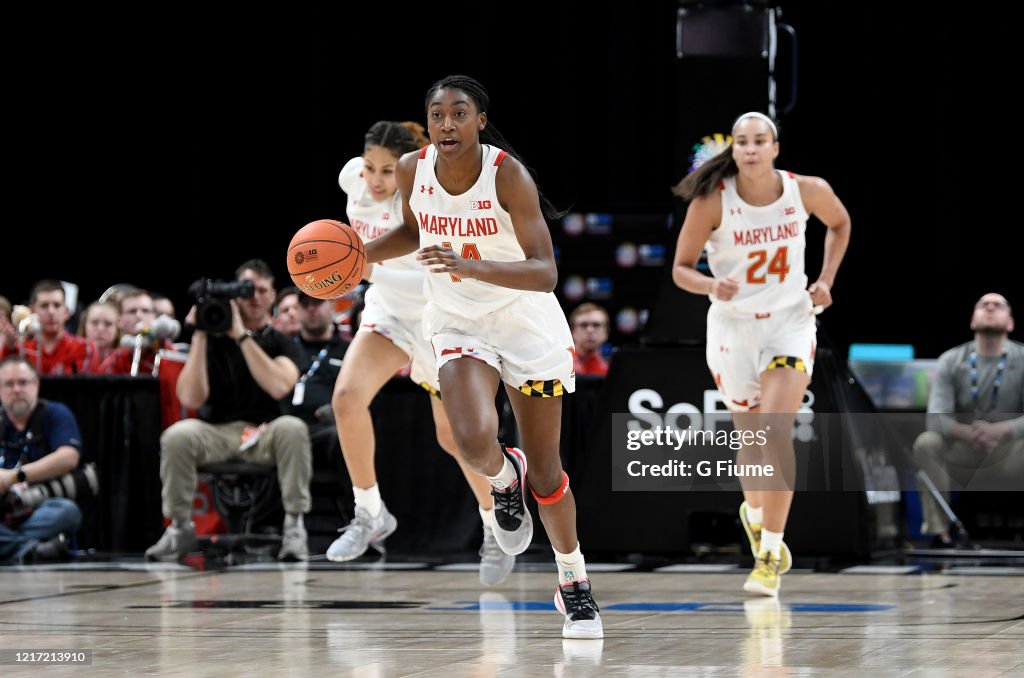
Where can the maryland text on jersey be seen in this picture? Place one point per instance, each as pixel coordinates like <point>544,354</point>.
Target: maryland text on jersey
<point>457,227</point>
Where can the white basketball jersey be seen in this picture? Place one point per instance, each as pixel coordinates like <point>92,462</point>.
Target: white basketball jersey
<point>474,225</point>
<point>761,247</point>
<point>372,219</point>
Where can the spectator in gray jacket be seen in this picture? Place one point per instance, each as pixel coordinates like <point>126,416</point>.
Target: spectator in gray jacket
<point>975,436</point>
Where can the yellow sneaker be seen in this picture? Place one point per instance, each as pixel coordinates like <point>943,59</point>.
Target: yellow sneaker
<point>765,578</point>
<point>753,531</point>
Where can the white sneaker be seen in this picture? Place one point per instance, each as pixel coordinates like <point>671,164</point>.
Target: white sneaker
<point>294,544</point>
<point>582,618</point>
<point>362,533</point>
<point>495,564</point>
<point>513,526</point>
<point>174,543</point>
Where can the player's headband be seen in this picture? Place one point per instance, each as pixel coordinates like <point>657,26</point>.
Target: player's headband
<point>759,116</point>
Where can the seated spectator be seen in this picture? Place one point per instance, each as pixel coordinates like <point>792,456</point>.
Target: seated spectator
<point>589,323</point>
<point>321,349</point>
<point>286,311</point>
<point>137,312</point>
<point>7,330</point>
<point>39,440</point>
<point>976,426</point>
<point>147,337</point>
<point>52,350</point>
<point>162,305</point>
<point>236,380</point>
<point>99,323</point>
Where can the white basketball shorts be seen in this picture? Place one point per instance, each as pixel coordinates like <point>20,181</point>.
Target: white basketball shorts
<point>528,342</point>
<point>741,348</point>
<point>406,334</point>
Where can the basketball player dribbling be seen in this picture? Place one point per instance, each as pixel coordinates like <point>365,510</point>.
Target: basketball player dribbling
<point>761,331</point>
<point>491,317</point>
<point>389,336</point>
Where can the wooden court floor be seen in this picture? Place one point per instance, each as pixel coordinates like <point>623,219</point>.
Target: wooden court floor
<point>398,619</point>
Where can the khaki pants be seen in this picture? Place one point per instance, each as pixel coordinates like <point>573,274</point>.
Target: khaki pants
<point>955,465</point>
<point>191,442</point>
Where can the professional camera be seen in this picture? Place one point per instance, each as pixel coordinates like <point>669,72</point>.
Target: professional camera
<point>79,485</point>
<point>213,308</point>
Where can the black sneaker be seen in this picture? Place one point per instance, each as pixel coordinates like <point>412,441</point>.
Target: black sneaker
<point>582,618</point>
<point>513,526</point>
<point>49,551</point>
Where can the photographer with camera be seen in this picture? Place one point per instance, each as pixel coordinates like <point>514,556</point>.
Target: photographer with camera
<point>39,441</point>
<point>237,370</point>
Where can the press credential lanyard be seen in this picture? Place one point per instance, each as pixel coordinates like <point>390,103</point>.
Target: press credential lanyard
<point>300,388</point>
<point>973,362</point>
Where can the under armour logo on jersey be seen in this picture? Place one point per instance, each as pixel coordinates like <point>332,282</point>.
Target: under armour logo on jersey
<point>723,349</point>
<point>429,190</point>
<point>787,211</point>
<point>385,217</point>
<point>735,210</point>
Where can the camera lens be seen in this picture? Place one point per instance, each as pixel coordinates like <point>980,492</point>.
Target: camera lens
<point>214,316</point>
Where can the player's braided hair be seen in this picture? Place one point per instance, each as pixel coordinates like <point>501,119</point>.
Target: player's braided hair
<point>490,134</point>
<point>397,137</point>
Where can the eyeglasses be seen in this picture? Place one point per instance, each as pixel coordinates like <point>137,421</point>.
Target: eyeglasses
<point>21,383</point>
<point>998,305</point>
<point>585,324</point>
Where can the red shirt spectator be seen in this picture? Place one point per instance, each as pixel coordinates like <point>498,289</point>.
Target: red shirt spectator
<point>120,361</point>
<point>51,349</point>
<point>591,364</point>
<point>71,354</point>
<point>589,324</point>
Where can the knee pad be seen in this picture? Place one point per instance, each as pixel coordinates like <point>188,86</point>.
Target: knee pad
<point>555,496</point>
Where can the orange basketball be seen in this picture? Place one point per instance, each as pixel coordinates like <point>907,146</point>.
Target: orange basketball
<point>326,259</point>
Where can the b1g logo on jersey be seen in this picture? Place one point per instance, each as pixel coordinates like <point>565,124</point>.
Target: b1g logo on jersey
<point>479,204</point>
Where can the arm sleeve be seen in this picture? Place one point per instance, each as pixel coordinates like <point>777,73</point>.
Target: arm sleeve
<point>405,281</point>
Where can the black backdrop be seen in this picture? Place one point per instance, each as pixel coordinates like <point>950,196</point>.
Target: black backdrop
<point>129,146</point>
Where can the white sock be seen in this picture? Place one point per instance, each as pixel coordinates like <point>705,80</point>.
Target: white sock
<point>506,476</point>
<point>369,499</point>
<point>570,566</point>
<point>755,516</point>
<point>291,521</point>
<point>771,542</point>
<point>486,515</point>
